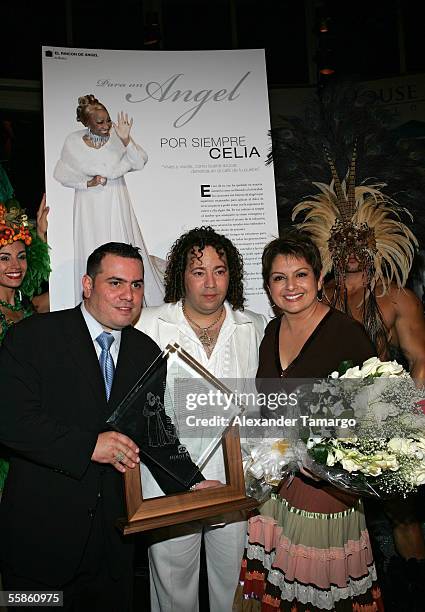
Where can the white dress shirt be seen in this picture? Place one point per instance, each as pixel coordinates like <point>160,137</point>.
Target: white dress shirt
<point>95,329</point>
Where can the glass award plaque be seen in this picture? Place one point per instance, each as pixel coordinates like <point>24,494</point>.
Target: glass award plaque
<point>142,417</point>
<point>165,414</point>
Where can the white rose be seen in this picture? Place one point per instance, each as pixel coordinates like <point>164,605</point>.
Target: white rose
<point>418,450</point>
<point>352,373</point>
<point>392,463</point>
<point>371,470</point>
<point>311,442</point>
<point>330,459</point>
<point>349,465</point>
<point>334,374</point>
<point>390,368</point>
<point>384,461</point>
<point>420,443</point>
<point>353,453</point>
<point>402,446</point>
<point>370,366</point>
<point>417,477</point>
<point>339,454</point>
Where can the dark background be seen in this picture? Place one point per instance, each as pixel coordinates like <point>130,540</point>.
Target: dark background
<point>363,40</point>
<point>367,38</point>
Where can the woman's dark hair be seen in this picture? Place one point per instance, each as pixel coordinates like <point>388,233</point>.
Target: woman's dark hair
<point>197,239</point>
<point>121,249</point>
<point>293,243</point>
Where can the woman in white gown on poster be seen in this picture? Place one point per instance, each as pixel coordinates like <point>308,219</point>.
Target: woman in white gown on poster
<point>93,162</point>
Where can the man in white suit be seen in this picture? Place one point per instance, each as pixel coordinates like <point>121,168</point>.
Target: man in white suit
<point>204,314</point>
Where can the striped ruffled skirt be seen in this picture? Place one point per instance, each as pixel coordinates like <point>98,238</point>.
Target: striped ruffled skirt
<point>300,561</point>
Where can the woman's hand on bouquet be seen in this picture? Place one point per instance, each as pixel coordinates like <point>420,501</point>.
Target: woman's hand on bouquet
<point>97,180</point>
<point>123,127</point>
<point>42,212</point>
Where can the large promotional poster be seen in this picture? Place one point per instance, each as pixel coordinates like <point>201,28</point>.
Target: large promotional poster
<point>187,147</point>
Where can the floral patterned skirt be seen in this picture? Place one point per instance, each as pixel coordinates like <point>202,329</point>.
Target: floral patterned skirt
<point>301,561</point>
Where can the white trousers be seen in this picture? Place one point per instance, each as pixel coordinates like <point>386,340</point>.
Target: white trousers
<point>175,563</point>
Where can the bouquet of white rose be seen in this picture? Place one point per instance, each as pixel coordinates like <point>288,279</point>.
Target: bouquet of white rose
<point>377,467</point>
<point>385,457</point>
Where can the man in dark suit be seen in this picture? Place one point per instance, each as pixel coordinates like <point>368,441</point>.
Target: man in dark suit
<point>64,491</point>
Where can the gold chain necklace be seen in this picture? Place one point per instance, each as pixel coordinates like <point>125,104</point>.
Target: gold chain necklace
<point>204,336</point>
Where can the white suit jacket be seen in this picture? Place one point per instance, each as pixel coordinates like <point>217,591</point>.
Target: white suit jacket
<point>235,356</point>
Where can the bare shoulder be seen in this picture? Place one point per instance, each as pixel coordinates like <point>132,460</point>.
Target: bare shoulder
<point>403,300</point>
<point>409,329</point>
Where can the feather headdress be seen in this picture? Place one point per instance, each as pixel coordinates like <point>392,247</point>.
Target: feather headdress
<point>345,220</point>
<point>14,226</point>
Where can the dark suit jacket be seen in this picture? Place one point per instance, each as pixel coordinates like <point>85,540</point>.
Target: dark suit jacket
<point>53,406</point>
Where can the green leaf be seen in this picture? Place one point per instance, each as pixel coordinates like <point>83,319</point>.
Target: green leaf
<point>320,453</point>
<point>344,366</point>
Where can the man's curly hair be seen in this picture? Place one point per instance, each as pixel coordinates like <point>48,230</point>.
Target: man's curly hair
<point>199,238</point>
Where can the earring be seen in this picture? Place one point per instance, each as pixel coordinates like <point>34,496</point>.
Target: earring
<point>320,295</point>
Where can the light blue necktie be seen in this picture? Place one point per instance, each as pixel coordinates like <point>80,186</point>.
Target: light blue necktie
<point>107,366</point>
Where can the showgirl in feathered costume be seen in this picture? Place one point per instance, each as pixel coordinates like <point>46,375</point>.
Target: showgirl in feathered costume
<point>362,221</point>
<point>24,266</point>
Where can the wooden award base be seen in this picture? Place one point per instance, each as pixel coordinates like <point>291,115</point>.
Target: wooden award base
<point>145,514</point>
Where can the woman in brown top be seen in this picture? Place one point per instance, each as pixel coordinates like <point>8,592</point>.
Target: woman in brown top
<point>309,548</point>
